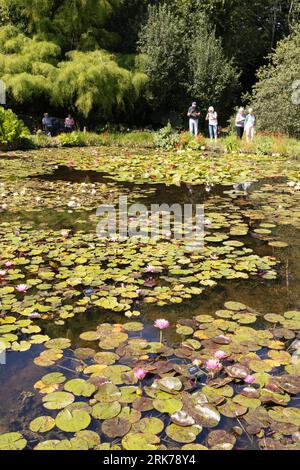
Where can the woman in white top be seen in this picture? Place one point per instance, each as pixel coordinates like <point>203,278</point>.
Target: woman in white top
<point>212,118</point>
<point>250,123</point>
<point>240,123</point>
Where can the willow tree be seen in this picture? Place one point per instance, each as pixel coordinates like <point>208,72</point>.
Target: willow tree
<point>94,81</point>
<point>70,23</point>
<point>27,66</point>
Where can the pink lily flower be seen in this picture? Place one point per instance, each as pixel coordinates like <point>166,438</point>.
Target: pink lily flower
<point>139,374</point>
<point>213,364</point>
<point>249,379</point>
<point>220,355</point>
<point>22,288</point>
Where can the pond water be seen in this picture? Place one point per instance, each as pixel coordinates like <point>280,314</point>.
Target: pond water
<point>80,290</point>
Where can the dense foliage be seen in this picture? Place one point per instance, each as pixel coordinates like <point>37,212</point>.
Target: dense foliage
<point>138,61</point>
<point>12,129</point>
<point>277,93</point>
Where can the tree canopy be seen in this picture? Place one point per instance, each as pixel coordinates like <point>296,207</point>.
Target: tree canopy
<point>276,95</point>
<point>139,60</point>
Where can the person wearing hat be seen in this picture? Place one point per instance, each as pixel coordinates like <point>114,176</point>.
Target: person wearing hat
<point>194,114</point>
<point>240,123</point>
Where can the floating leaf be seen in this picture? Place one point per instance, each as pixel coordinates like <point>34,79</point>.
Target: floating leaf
<point>42,424</point>
<point>72,421</point>
<point>183,434</point>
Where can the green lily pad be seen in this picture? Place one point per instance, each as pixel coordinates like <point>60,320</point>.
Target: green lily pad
<point>42,424</point>
<point>80,387</point>
<point>106,410</point>
<point>72,421</point>
<point>171,405</point>
<point>140,441</point>
<point>58,400</point>
<point>12,441</point>
<point>183,434</point>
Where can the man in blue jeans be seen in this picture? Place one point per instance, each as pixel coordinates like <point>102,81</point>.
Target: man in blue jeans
<point>194,114</point>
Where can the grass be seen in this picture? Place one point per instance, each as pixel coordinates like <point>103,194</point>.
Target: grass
<point>263,144</point>
<point>86,139</point>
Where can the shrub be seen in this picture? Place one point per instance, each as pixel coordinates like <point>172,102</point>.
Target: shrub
<point>74,139</point>
<point>231,144</point>
<point>12,130</point>
<point>190,142</point>
<point>167,138</point>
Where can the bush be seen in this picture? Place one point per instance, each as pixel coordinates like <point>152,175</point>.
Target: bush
<point>231,144</point>
<point>13,132</point>
<point>74,139</point>
<point>190,142</point>
<point>167,138</point>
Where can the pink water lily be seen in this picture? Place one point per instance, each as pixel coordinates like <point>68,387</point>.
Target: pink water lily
<point>22,288</point>
<point>220,355</point>
<point>139,374</point>
<point>3,273</point>
<point>65,233</point>
<point>213,364</point>
<point>161,324</point>
<point>150,269</point>
<point>9,264</point>
<point>249,379</point>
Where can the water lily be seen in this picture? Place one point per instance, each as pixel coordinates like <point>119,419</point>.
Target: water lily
<point>213,364</point>
<point>139,374</point>
<point>249,379</point>
<point>22,288</point>
<point>3,273</point>
<point>220,355</point>
<point>150,269</point>
<point>9,264</point>
<point>161,324</point>
<point>64,233</point>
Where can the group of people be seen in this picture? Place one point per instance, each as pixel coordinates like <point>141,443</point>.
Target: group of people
<point>244,122</point>
<point>49,124</point>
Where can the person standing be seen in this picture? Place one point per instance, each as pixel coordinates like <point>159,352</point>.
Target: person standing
<point>250,123</point>
<point>194,114</point>
<point>240,123</point>
<point>47,124</point>
<point>69,124</point>
<point>212,118</point>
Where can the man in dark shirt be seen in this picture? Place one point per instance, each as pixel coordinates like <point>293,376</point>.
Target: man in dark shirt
<point>47,124</point>
<point>194,114</point>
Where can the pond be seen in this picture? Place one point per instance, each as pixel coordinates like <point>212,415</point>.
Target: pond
<point>87,365</point>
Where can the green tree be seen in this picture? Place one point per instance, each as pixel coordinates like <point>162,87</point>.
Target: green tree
<point>212,79</point>
<point>70,23</point>
<point>276,95</point>
<point>183,59</point>
<point>249,30</point>
<point>161,44</point>
<point>94,80</point>
<point>35,75</point>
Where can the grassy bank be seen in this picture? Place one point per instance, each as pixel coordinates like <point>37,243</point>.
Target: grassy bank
<point>263,144</point>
